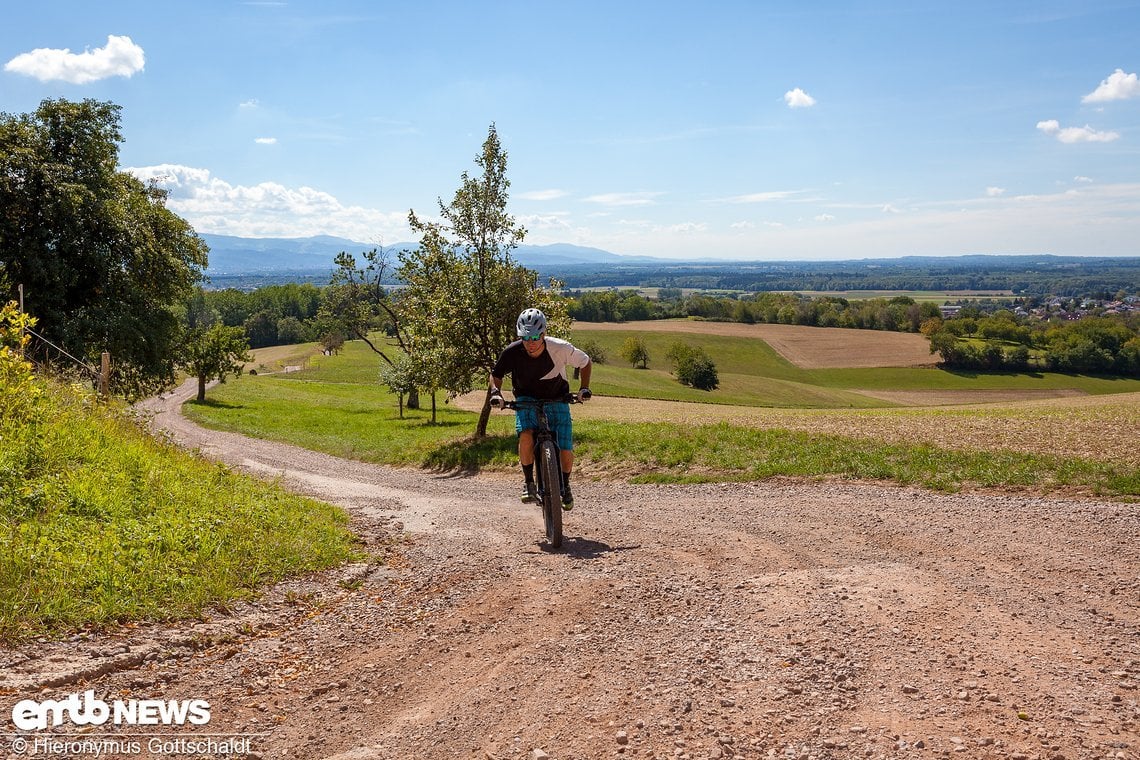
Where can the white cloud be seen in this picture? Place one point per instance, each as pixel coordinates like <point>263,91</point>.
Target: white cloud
<point>774,195</point>
<point>1082,180</point>
<point>251,103</point>
<point>624,199</point>
<point>121,57</point>
<point>687,227</point>
<point>890,208</point>
<point>265,140</point>
<point>995,192</point>
<point>1070,135</point>
<point>1118,86</point>
<point>542,195</point>
<point>534,222</point>
<point>268,209</point>
<point>824,218</point>
<point>797,98</point>
<point>742,226</point>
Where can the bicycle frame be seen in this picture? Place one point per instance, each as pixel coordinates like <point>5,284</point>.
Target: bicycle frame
<point>548,466</point>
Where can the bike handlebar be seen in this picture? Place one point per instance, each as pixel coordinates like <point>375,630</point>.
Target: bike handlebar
<point>569,398</point>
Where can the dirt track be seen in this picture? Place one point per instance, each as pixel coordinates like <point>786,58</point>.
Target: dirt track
<point>790,620</point>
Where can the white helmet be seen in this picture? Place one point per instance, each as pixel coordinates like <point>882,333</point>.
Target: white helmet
<point>531,322</point>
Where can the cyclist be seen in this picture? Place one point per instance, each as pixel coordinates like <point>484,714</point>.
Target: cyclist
<point>537,366</point>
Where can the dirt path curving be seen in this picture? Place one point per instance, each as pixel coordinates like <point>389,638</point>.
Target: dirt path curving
<point>780,619</point>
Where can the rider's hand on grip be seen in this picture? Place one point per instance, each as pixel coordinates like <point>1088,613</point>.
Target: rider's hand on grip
<point>585,395</point>
<point>497,401</point>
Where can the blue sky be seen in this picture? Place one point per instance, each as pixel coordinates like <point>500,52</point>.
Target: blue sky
<point>749,130</point>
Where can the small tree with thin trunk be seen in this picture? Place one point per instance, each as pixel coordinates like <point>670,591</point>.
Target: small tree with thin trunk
<point>214,353</point>
<point>634,351</point>
<point>464,291</point>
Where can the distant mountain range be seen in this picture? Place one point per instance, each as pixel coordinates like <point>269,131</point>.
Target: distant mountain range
<point>237,255</point>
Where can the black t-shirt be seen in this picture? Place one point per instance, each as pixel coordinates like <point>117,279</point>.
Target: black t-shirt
<point>543,377</point>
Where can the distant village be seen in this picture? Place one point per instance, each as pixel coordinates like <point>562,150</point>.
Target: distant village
<point>1054,307</point>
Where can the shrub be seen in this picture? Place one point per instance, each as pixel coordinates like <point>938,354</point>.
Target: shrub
<point>594,349</point>
<point>20,395</point>
<point>692,366</point>
<point>635,351</point>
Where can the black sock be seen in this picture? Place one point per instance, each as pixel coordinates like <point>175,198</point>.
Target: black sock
<point>565,480</point>
<point>528,472</point>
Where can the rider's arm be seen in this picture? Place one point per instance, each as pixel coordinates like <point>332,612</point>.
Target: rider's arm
<point>584,374</point>
<point>496,395</point>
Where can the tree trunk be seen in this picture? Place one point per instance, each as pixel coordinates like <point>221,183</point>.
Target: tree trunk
<point>484,416</point>
<point>201,388</point>
<point>414,398</point>
<point>433,407</point>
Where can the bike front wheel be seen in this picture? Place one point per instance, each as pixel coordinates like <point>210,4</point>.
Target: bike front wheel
<point>551,473</point>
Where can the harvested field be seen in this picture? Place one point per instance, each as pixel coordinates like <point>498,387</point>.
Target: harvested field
<point>805,347</point>
<point>957,397</point>
<point>1093,427</point>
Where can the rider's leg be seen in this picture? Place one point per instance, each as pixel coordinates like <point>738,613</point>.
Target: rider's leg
<point>526,460</point>
<point>526,447</point>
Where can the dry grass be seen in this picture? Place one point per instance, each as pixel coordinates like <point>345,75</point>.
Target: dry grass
<point>1093,427</point>
<point>805,347</point>
<point>277,358</point>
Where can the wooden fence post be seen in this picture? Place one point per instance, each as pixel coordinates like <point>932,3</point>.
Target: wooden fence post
<point>105,377</point>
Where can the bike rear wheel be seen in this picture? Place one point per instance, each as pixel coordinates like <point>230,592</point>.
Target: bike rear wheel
<point>551,474</point>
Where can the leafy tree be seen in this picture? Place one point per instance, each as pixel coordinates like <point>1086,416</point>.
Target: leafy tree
<point>634,351</point>
<point>464,290</point>
<point>261,329</point>
<point>930,326</point>
<point>692,366</point>
<point>358,304</point>
<point>593,349</point>
<point>291,330</point>
<point>946,344</point>
<point>213,353</point>
<point>102,260</point>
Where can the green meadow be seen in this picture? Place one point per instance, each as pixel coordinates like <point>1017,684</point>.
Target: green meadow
<point>753,374</point>
<point>337,405</point>
<point>101,523</point>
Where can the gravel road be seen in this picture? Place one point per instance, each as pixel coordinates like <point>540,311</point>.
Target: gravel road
<point>778,619</point>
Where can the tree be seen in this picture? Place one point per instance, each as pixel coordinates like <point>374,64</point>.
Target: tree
<point>102,260</point>
<point>214,353</point>
<point>692,366</point>
<point>634,351</point>
<point>357,303</point>
<point>463,290</point>
<point>699,372</point>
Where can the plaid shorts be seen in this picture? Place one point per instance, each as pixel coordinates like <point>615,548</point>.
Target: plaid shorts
<point>557,416</point>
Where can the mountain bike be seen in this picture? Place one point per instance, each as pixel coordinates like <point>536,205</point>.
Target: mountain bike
<point>547,466</point>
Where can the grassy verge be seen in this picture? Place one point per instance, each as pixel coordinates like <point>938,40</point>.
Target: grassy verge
<point>100,523</point>
<point>361,421</point>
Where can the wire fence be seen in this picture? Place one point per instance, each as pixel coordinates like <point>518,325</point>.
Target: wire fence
<point>95,372</point>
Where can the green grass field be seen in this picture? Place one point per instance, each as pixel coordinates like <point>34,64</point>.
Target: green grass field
<point>337,406</point>
<point>101,523</point>
<point>753,374</point>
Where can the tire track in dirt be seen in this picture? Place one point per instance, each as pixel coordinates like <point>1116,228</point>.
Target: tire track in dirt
<point>818,620</point>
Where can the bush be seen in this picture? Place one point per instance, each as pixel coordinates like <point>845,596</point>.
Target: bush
<point>594,349</point>
<point>692,366</point>
<point>699,373</point>
<point>635,351</point>
<point>20,396</point>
